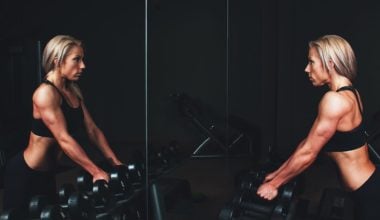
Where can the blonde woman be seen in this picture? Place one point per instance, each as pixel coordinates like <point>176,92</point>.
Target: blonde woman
<point>337,130</point>
<point>59,112</point>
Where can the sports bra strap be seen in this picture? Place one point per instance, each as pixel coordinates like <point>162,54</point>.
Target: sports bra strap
<point>52,84</point>
<point>352,89</point>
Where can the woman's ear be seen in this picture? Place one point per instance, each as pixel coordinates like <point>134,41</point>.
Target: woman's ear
<point>330,65</point>
<point>56,61</point>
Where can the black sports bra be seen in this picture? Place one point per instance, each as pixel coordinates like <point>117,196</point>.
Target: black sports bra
<point>347,140</point>
<point>74,118</point>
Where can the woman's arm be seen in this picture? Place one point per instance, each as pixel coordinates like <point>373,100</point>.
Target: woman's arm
<point>273,174</point>
<point>46,104</point>
<point>331,109</point>
<point>98,138</point>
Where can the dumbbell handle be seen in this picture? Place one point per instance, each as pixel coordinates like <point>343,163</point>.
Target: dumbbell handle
<point>285,193</point>
<point>248,214</point>
<point>265,209</point>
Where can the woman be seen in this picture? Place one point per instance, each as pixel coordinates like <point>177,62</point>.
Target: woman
<point>337,130</point>
<point>59,113</point>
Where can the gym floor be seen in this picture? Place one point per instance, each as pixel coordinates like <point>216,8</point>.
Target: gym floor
<point>212,185</point>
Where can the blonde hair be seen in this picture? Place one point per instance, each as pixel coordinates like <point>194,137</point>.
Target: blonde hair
<point>57,49</point>
<point>336,49</point>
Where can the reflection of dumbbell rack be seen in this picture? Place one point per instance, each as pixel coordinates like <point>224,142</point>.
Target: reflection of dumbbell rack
<point>188,109</point>
<point>121,198</point>
<point>165,193</point>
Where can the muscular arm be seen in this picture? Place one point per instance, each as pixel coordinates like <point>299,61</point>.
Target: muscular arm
<point>46,104</point>
<point>270,176</point>
<point>331,109</point>
<point>98,138</point>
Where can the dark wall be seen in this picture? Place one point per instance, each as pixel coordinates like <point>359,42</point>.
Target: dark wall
<point>187,53</point>
<point>257,77</point>
<point>212,52</point>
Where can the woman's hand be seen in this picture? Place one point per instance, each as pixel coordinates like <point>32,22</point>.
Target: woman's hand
<point>101,175</point>
<point>270,176</point>
<point>267,191</point>
<point>115,162</point>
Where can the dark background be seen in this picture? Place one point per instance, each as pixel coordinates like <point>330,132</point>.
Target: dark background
<point>240,60</point>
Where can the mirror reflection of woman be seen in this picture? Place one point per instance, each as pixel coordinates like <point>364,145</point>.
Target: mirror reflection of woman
<point>59,113</point>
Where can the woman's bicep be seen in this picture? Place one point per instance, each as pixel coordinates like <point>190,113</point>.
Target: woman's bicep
<point>52,116</point>
<point>325,125</point>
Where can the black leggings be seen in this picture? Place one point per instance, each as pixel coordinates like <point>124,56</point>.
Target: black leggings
<point>21,183</point>
<point>367,198</point>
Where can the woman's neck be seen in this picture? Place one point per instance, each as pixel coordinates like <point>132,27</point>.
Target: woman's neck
<point>338,81</point>
<point>57,79</point>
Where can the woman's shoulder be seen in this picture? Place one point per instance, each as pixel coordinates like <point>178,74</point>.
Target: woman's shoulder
<point>45,94</point>
<point>334,97</point>
<point>334,102</point>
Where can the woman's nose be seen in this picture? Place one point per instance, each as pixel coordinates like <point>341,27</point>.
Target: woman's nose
<point>307,69</point>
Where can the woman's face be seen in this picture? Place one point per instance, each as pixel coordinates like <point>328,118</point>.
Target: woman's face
<point>73,64</point>
<point>314,69</point>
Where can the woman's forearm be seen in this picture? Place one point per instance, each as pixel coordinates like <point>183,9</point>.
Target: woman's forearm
<point>296,164</point>
<point>74,151</point>
<point>99,139</point>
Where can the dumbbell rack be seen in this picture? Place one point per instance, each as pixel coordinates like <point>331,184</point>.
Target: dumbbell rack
<point>88,202</point>
<point>246,204</point>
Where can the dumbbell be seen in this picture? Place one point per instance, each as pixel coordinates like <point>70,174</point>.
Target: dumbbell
<point>41,207</point>
<point>90,199</point>
<point>252,180</point>
<point>108,205</point>
<point>101,193</point>
<point>135,174</point>
<point>232,212</point>
<point>120,184</point>
<point>84,181</point>
<point>53,212</point>
<point>13,214</point>
<point>285,196</point>
<point>132,174</point>
<point>64,193</point>
<point>80,206</point>
<point>121,179</point>
<point>288,191</point>
<point>245,200</point>
<point>85,205</point>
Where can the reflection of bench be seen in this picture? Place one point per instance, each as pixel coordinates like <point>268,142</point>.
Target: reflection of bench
<point>218,142</point>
